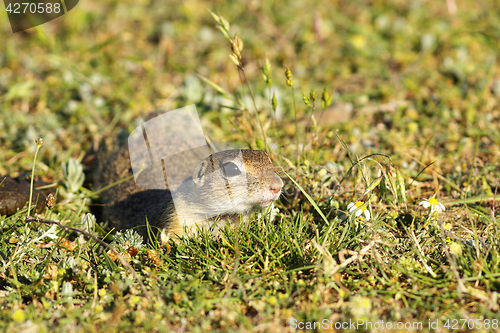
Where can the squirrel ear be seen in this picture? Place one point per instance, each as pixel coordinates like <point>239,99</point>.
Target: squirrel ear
<point>199,173</point>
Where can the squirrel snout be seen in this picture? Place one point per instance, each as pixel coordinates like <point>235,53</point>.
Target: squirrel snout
<point>276,186</point>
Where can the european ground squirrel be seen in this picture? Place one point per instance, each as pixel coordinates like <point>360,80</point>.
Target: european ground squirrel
<point>222,188</point>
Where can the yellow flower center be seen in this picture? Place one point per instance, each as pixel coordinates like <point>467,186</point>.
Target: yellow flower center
<point>359,203</point>
<point>432,201</point>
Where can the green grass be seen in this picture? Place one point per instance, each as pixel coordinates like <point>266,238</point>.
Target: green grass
<point>411,111</point>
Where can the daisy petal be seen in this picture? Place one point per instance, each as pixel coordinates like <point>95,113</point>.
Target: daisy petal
<point>425,204</point>
<point>367,215</point>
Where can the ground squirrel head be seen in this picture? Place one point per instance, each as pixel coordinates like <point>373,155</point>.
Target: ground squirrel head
<point>231,182</point>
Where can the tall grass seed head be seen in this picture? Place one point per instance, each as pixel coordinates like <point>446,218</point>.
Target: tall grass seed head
<point>306,100</point>
<point>312,96</point>
<point>216,17</point>
<point>326,99</point>
<point>222,25</point>
<point>234,59</point>
<point>266,73</point>
<point>267,68</point>
<point>236,46</point>
<point>289,77</point>
<point>239,43</point>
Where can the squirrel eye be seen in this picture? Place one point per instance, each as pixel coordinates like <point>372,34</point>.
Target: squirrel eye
<point>231,169</point>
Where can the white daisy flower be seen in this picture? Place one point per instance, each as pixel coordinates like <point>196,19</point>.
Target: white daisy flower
<point>355,207</point>
<point>435,205</point>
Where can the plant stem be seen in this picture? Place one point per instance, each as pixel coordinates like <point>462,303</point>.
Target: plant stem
<point>32,177</point>
<point>264,136</point>
<point>296,128</point>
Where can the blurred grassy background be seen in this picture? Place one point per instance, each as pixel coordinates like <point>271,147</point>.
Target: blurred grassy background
<point>103,64</point>
<point>415,80</point>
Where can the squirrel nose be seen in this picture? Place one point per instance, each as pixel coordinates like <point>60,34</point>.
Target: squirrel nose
<point>275,187</point>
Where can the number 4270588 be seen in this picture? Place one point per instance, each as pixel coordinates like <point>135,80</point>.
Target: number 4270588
<point>17,8</point>
<point>455,324</point>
